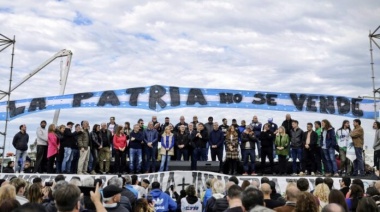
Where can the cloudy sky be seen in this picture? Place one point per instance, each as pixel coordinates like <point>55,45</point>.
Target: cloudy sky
<point>278,46</point>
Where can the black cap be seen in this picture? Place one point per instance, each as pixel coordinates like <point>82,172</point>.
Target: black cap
<point>111,190</point>
<point>166,117</point>
<point>43,121</point>
<point>210,118</point>
<point>70,123</point>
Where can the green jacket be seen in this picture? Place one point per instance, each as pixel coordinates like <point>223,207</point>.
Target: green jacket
<point>282,141</point>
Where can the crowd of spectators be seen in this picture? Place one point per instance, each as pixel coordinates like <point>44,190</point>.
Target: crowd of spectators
<point>127,194</point>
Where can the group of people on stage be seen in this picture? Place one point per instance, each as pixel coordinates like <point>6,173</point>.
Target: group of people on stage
<point>89,150</point>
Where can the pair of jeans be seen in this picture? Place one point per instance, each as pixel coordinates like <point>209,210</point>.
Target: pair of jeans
<point>296,153</point>
<point>359,163</point>
<point>95,158</point>
<point>197,156</point>
<point>150,158</point>
<point>41,159</point>
<point>120,161</point>
<point>217,152</point>
<point>66,162</point>
<point>248,153</point>
<point>329,155</point>
<point>20,154</point>
<point>165,163</point>
<point>135,158</point>
<point>182,152</point>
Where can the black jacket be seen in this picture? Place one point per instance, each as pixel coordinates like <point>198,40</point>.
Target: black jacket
<point>68,139</point>
<point>313,139</point>
<point>220,205</point>
<point>296,138</point>
<point>20,141</point>
<point>245,137</point>
<point>266,139</point>
<point>181,139</point>
<point>200,142</point>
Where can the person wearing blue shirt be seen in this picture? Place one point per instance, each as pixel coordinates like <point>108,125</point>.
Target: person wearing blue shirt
<point>128,185</point>
<point>167,148</point>
<point>150,139</point>
<point>162,201</point>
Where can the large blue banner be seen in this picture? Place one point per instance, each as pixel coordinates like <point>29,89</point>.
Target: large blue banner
<point>160,97</point>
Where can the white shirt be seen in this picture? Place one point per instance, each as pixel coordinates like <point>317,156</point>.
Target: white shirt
<point>343,137</point>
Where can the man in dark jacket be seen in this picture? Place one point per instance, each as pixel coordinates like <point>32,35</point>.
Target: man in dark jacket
<point>20,143</point>
<point>287,124</point>
<point>66,143</point>
<point>9,167</point>
<point>216,143</point>
<point>151,142</point>
<point>296,145</point>
<point>309,142</point>
<point>182,141</point>
<point>105,152</point>
<point>199,141</point>
<point>247,147</point>
<point>135,149</point>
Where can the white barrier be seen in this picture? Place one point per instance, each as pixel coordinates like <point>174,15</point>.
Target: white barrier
<point>181,179</point>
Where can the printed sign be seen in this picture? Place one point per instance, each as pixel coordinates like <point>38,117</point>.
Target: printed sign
<point>181,179</point>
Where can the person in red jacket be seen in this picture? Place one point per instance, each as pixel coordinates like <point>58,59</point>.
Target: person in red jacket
<point>120,145</point>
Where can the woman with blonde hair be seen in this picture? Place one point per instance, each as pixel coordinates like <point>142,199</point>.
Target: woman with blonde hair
<point>217,193</point>
<point>322,192</point>
<point>167,148</point>
<point>282,143</point>
<point>232,149</point>
<point>7,192</point>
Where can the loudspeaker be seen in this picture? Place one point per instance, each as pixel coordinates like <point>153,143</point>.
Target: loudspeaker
<point>211,166</point>
<point>179,165</point>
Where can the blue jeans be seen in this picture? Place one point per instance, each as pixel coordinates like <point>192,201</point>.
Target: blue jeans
<point>66,162</point>
<point>359,163</point>
<point>136,157</point>
<point>163,158</point>
<point>251,154</point>
<point>296,153</point>
<point>150,158</point>
<point>20,154</point>
<point>329,155</point>
<point>198,155</point>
